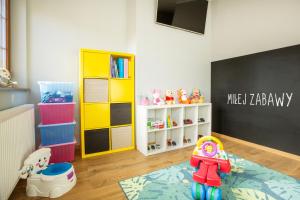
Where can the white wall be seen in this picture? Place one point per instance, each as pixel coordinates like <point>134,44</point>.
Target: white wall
<point>131,26</point>
<point>168,58</point>
<point>165,57</point>
<point>241,27</point>
<point>57,29</point>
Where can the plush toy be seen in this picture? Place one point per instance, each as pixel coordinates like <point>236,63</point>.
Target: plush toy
<point>169,98</point>
<point>5,78</point>
<point>157,100</point>
<point>145,101</point>
<point>182,97</point>
<point>195,96</point>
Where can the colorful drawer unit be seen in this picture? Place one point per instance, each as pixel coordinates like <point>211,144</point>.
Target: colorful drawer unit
<point>106,103</point>
<point>57,133</point>
<point>55,113</point>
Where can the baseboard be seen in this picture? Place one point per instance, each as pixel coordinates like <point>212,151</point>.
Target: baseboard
<point>268,149</point>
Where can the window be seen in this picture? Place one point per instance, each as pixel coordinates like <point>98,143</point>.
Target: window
<point>5,34</point>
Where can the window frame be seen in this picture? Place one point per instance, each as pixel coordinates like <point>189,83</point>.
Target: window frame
<point>7,13</point>
<point>7,35</point>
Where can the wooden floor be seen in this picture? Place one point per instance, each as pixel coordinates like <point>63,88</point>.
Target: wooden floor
<point>98,177</point>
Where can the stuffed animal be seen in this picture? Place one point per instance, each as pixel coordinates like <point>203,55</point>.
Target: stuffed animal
<point>5,78</point>
<point>157,100</point>
<point>169,98</point>
<point>195,96</point>
<point>145,101</point>
<point>182,97</point>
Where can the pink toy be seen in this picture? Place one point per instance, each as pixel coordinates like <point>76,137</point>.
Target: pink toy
<point>157,100</point>
<point>145,101</point>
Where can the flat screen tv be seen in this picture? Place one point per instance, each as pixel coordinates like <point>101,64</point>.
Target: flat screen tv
<point>183,14</point>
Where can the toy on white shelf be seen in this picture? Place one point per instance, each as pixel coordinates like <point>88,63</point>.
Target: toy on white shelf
<point>155,124</point>
<point>157,100</point>
<point>169,124</point>
<point>182,97</point>
<point>169,98</point>
<point>47,180</point>
<point>145,101</point>
<point>195,96</point>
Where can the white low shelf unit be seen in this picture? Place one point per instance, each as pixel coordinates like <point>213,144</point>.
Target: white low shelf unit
<point>177,113</point>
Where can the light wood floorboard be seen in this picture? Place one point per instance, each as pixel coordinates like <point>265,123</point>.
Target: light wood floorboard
<point>98,177</point>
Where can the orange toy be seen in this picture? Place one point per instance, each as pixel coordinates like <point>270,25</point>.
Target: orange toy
<point>182,97</point>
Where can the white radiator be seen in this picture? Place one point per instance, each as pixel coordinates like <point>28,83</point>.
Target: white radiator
<point>17,141</point>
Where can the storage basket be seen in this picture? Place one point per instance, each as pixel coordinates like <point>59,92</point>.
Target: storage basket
<point>55,113</point>
<point>57,133</point>
<point>62,152</point>
<point>56,92</point>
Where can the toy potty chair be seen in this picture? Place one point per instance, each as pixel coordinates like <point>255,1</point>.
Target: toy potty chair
<point>211,164</point>
<point>47,180</point>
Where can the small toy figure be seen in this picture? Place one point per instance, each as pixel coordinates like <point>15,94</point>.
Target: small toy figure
<point>169,98</point>
<point>157,100</point>
<point>186,140</point>
<point>211,163</point>
<point>153,146</point>
<point>155,124</point>
<point>171,142</point>
<point>201,120</point>
<point>169,124</point>
<point>158,124</point>
<point>182,97</point>
<point>187,121</point>
<point>195,96</point>
<point>145,101</point>
<point>174,123</point>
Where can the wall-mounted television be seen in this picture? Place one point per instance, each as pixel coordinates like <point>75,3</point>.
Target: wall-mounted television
<point>188,15</point>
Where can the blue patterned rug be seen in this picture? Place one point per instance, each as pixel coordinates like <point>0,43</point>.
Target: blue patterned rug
<point>248,181</point>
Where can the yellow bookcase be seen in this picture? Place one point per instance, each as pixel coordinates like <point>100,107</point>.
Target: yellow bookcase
<point>106,104</point>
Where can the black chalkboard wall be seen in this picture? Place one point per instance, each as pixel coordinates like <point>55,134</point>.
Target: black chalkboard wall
<point>257,98</point>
